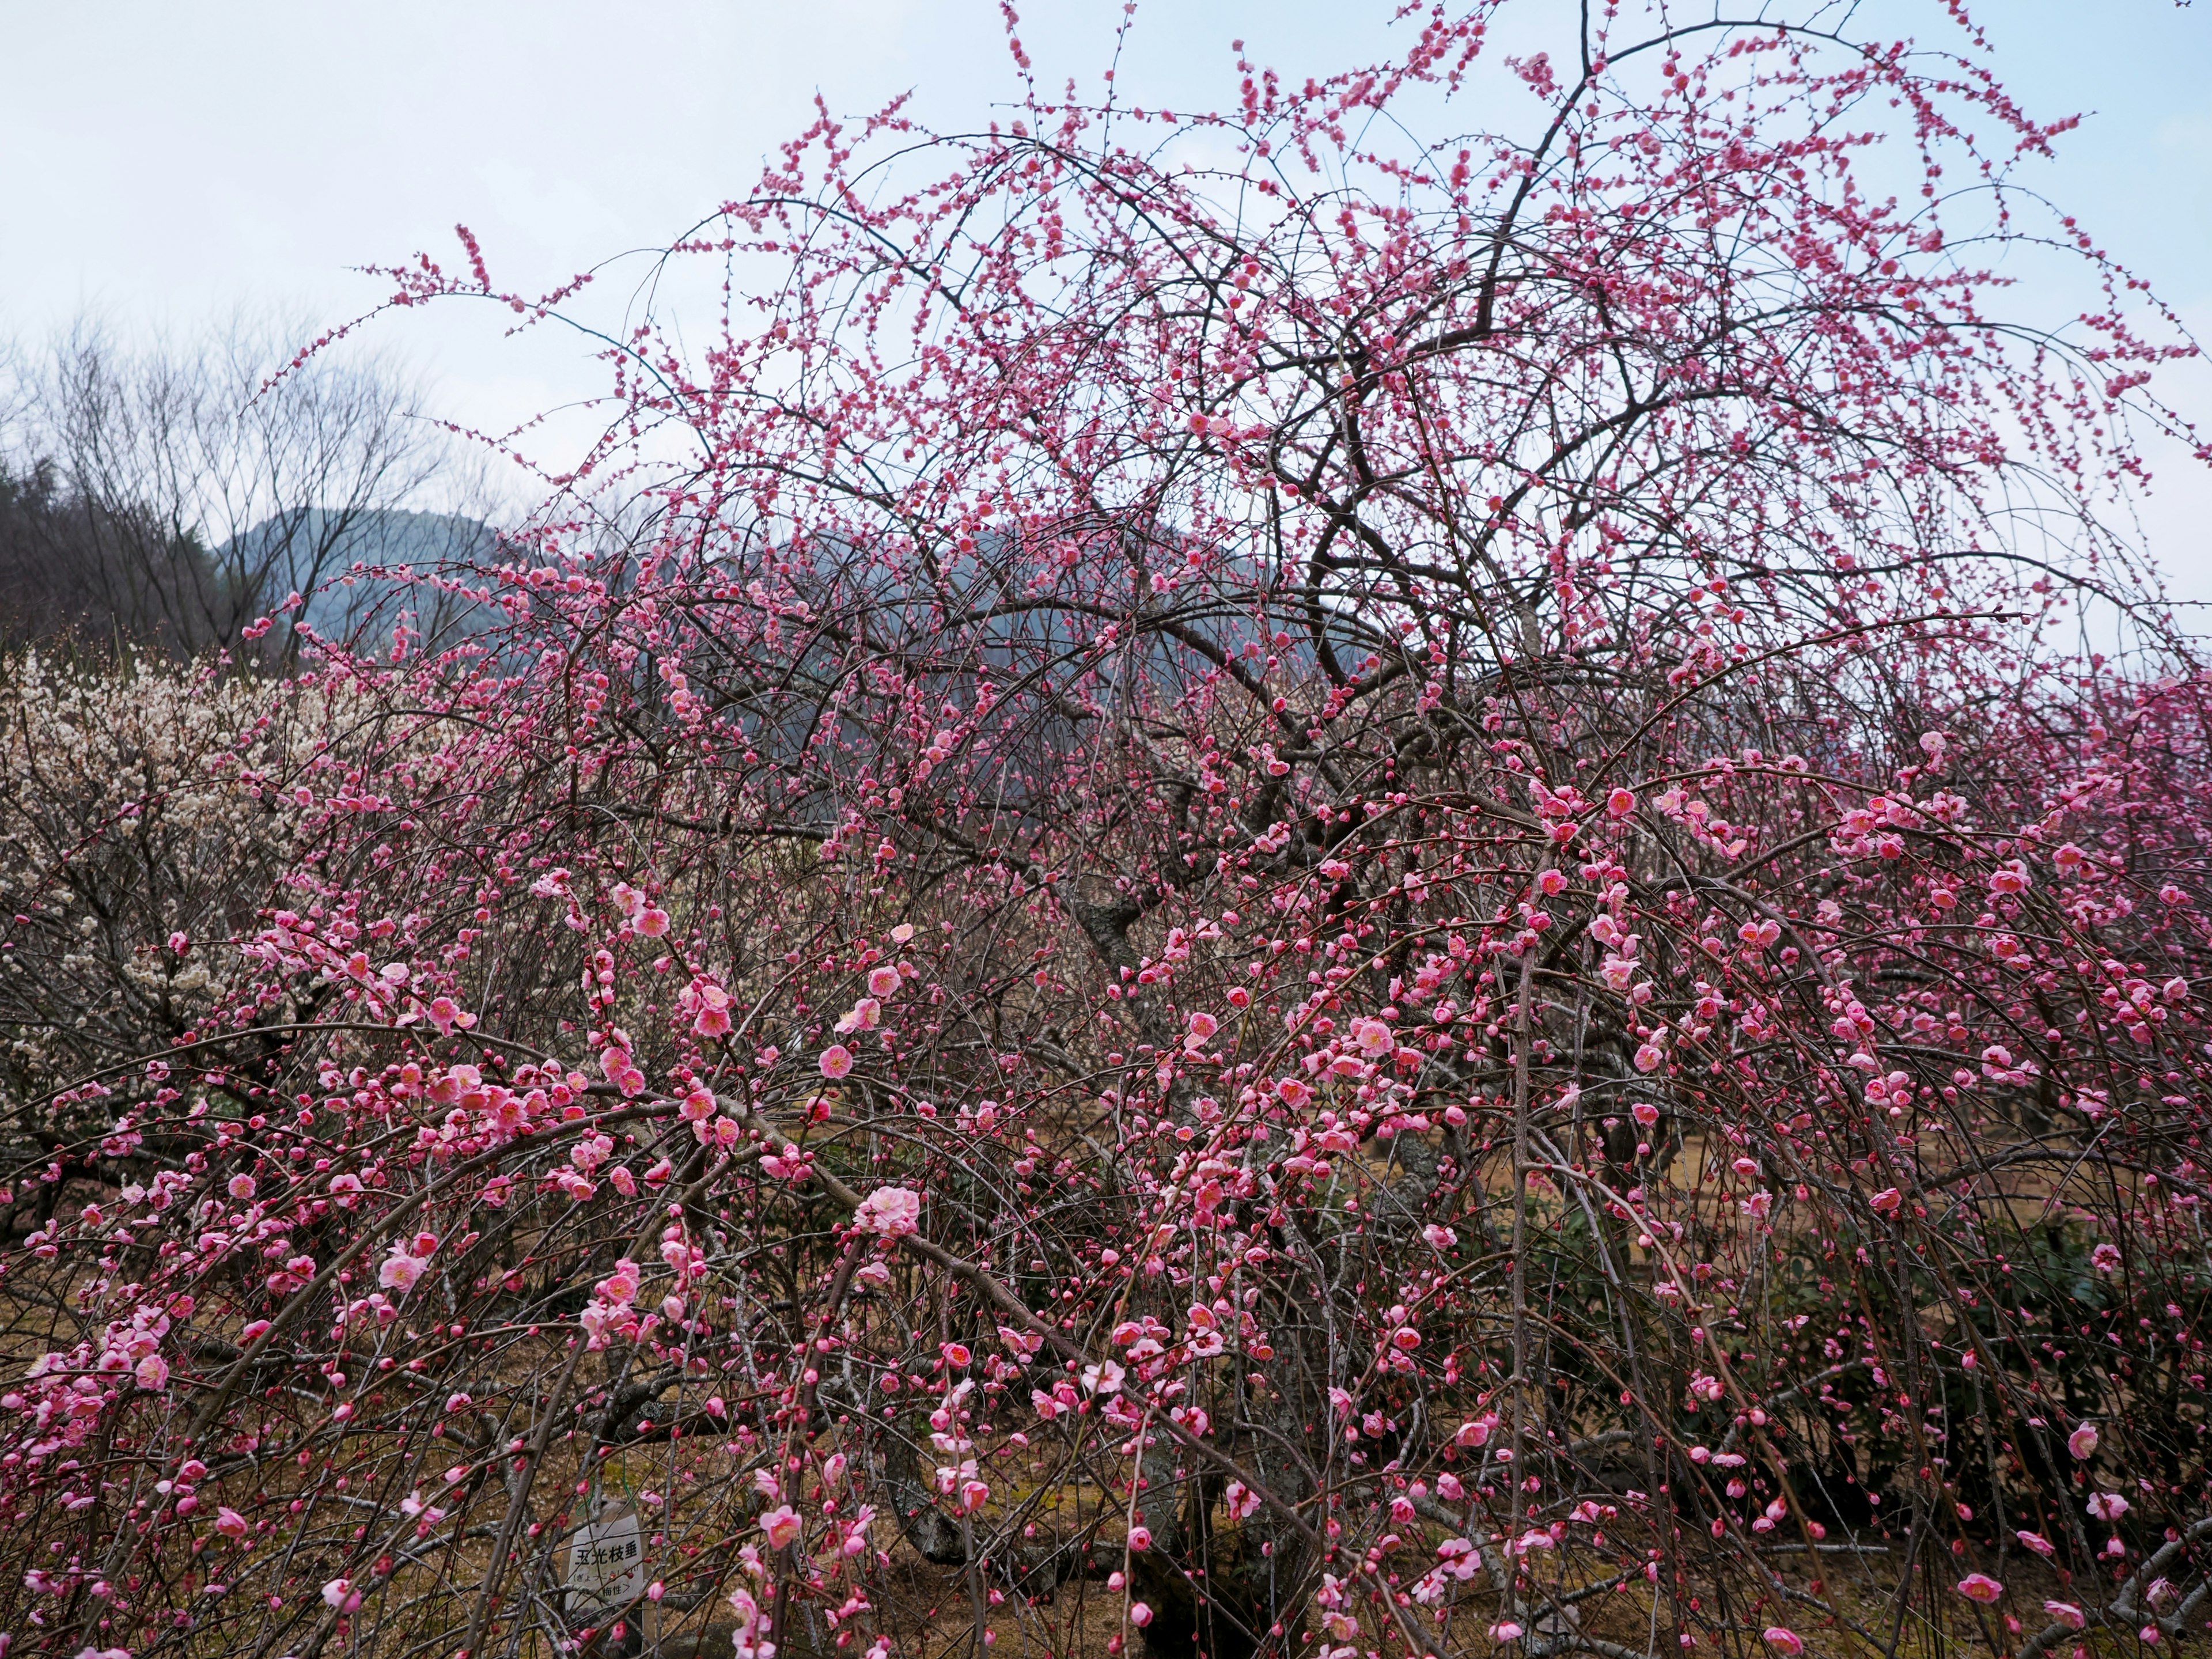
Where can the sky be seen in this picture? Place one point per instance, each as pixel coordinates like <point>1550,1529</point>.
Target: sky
<point>168,163</point>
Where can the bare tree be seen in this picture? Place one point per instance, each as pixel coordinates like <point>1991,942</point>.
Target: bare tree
<point>169,496</point>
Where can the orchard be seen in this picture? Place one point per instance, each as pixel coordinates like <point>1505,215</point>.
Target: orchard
<point>1405,871</point>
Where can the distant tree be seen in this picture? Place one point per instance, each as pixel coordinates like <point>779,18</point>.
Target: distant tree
<point>136,836</point>
<point>63,577</point>
<point>169,496</point>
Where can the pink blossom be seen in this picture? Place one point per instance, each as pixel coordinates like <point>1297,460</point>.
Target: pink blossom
<point>836,1061</point>
<point>710,1006</point>
<point>399,1272</point>
<point>2066,1613</point>
<point>1783,1641</point>
<point>621,1285</point>
<point>781,1524</point>
<point>1980,1587</point>
<point>892,1211</point>
<point>883,982</point>
<point>2082,1443</point>
<point>621,1070</point>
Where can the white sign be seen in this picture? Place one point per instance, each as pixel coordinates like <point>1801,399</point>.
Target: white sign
<point>606,1564</point>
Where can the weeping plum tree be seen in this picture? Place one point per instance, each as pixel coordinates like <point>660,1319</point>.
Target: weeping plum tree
<point>1305,891</point>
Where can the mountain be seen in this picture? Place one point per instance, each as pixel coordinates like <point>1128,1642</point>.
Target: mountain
<point>317,553</point>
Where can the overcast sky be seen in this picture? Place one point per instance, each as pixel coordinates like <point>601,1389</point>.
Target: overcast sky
<point>167,161</point>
